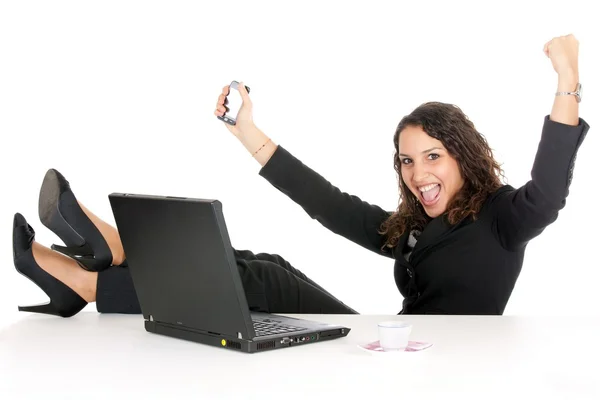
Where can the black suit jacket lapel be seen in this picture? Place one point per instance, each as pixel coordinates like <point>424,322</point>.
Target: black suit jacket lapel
<point>435,230</point>
<point>401,248</point>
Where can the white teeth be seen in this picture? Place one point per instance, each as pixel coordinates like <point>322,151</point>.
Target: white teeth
<point>428,187</point>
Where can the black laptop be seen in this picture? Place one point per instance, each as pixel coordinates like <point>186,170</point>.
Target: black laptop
<point>187,281</point>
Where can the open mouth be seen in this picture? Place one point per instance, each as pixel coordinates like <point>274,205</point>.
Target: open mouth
<point>429,194</point>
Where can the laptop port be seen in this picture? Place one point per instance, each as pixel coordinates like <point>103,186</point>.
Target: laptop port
<point>286,340</point>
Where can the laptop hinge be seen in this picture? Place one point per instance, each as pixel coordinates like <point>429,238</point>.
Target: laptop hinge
<point>181,327</point>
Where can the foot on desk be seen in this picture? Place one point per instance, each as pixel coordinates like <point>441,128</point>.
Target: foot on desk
<point>64,301</point>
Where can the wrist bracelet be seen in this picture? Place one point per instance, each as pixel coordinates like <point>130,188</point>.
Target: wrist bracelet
<point>261,147</point>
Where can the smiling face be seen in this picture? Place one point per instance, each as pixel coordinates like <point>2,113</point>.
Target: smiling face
<point>428,170</point>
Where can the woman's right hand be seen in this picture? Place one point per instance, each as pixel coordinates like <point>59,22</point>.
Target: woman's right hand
<point>244,123</point>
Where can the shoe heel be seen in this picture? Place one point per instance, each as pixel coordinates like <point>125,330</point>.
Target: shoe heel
<point>84,256</point>
<point>47,308</point>
<point>64,301</point>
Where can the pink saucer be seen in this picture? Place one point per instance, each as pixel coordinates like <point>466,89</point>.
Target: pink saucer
<point>374,347</point>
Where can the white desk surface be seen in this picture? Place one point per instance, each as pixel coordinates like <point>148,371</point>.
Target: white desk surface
<point>94,356</point>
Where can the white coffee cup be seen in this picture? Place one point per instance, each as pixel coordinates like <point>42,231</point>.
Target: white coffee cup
<point>393,335</point>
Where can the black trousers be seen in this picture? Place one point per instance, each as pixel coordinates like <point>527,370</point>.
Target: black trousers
<point>271,285</point>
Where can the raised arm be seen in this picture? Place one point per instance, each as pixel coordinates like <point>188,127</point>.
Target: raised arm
<point>341,213</point>
<point>524,213</point>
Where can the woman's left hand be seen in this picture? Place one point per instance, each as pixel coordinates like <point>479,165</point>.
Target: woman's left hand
<point>563,51</point>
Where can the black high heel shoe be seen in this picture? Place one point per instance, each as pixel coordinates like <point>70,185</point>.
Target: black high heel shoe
<point>63,300</point>
<point>60,212</point>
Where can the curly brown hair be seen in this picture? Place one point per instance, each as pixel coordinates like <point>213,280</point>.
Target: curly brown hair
<point>480,171</point>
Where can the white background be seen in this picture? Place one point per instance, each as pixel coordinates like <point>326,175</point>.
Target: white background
<point>119,96</point>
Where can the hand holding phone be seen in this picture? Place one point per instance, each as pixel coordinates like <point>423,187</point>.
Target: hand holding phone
<point>234,107</point>
<point>233,103</point>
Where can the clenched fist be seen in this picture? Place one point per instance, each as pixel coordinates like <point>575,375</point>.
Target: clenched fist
<point>563,51</point>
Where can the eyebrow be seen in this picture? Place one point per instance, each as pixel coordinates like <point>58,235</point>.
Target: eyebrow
<point>424,151</point>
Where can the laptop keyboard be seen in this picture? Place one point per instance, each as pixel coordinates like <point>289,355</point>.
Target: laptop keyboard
<point>268,327</point>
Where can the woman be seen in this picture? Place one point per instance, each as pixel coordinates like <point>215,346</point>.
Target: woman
<point>458,236</point>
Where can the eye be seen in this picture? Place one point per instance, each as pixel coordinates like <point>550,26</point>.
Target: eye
<point>434,156</point>
<point>405,161</point>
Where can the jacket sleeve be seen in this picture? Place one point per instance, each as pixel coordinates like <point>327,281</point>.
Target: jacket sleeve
<point>522,214</point>
<point>341,213</point>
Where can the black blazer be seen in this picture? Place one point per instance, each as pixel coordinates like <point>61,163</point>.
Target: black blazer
<point>468,268</point>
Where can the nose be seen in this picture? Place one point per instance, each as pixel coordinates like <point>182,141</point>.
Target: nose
<point>420,172</point>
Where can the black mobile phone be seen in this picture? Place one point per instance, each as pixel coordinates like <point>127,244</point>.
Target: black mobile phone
<point>233,103</point>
